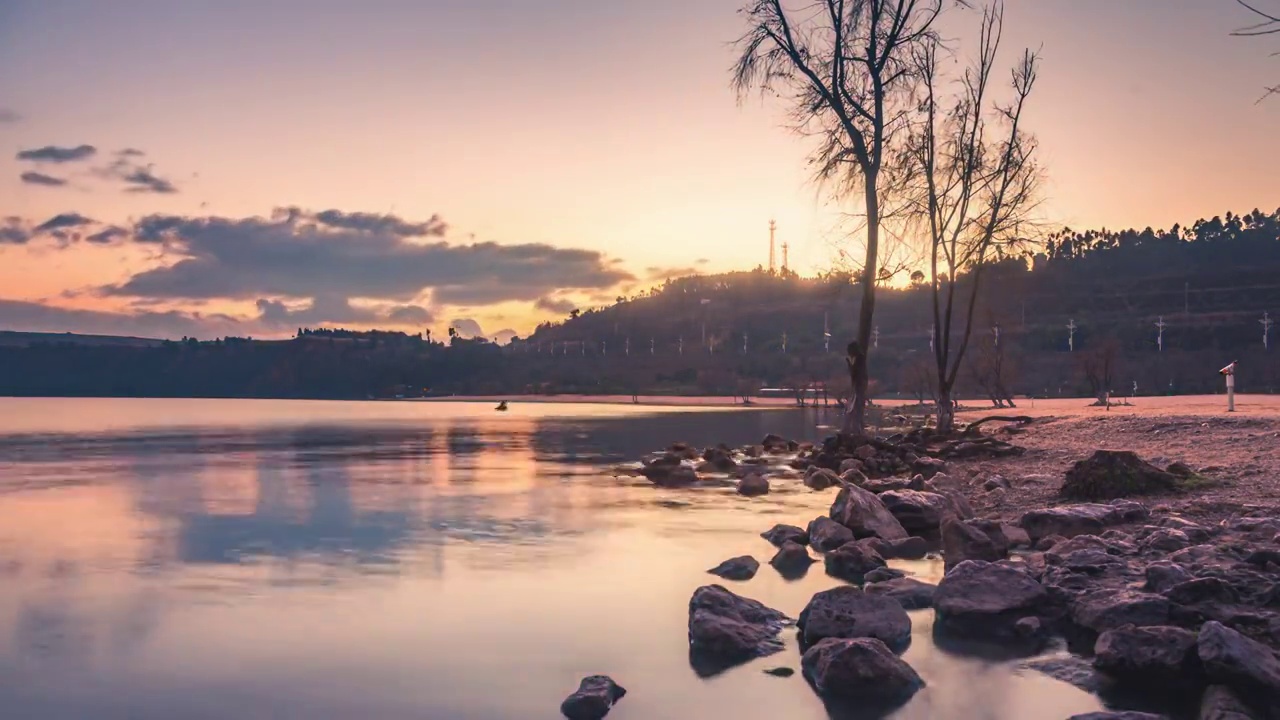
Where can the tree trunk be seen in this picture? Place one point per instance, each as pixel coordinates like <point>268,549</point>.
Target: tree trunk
<point>946,410</point>
<point>855,419</point>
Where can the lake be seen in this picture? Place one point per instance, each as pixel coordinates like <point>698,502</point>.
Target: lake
<point>271,559</point>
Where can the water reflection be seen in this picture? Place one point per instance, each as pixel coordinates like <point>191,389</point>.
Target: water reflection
<point>397,560</point>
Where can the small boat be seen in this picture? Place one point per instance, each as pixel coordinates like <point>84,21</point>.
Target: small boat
<point>502,406</point>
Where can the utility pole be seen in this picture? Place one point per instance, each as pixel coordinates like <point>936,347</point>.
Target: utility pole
<point>826,335</point>
<point>1160,325</point>
<point>626,348</point>
<point>1266,323</point>
<point>995,330</point>
<point>650,345</point>
<point>773,226</point>
<point>604,347</point>
<point>680,346</point>
<point>875,337</point>
<point>933,332</point>
<point>744,343</point>
<point>1071,335</point>
<point>784,343</point>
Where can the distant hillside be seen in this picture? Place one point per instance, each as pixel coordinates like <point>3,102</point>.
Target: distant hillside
<point>12,338</point>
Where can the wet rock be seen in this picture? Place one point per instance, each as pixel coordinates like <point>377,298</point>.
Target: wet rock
<point>917,512</point>
<point>743,567</point>
<point>820,478</point>
<point>1071,520</point>
<point>1112,474</point>
<point>910,593</point>
<point>1150,655</point>
<point>912,548</point>
<point>780,672</point>
<point>1166,540</point>
<point>720,458</point>
<point>864,514</point>
<point>981,600</point>
<point>1163,575</point>
<point>883,574</point>
<point>862,669</point>
<point>852,561</point>
<point>1220,703</point>
<point>972,540</point>
<point>1073,670</point>
<point>826,534</point>
<point>667,471</point>
<point>792,560</point>
<point>727,628</point>
<point>1244,665</point>
<point>593,699</point>
<point>753,485</point>
<point>1110,608</point>
<point>780,535</point>
<point>1201,590</point>
<point>849,612</point>
<point>777,444</point>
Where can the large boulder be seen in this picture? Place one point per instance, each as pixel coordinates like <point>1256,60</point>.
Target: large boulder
<point>861,669</point>
<point>1220,703</point>
<point>1244,665</point>
<point>910,593</point>
<point>826,534</point>
<point>852,561</point>
<point>743,567</point>
<point>848,612</point>
<point>1110,608</point>
<point>726,628</point>
<point>753,485</point>
<point>1162,576</point>
<point>720,458</point>
<point>864,514</point>
<point>1151,655</point>
<point>593,699</point>
<point>792,560</point>
<point>981,600</point>
<point>1112,474</point>
<point>912,548</point>
<point>668,470</point>
<point>780,535</point>
<point>972,540</point>
<point>919,513</point>
<point>1071,520</point>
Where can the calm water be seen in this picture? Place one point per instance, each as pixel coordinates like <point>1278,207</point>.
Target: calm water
<point>263,559</point>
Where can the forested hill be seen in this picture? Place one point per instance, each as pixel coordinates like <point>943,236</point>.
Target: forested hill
<point>1209,284</point>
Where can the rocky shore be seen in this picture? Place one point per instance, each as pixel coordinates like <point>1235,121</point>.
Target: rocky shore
<point>1146,598</point>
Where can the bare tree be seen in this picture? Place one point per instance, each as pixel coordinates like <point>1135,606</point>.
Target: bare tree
<point>971,165</point>
<point>1268,23</point>
<point>1098,365</point>
<point>993,371</point>
<point>846,67</point>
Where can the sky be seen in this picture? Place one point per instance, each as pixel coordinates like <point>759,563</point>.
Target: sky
<point>245,167</point>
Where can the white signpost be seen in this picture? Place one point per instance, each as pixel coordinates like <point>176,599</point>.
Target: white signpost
<point>1230,373</point>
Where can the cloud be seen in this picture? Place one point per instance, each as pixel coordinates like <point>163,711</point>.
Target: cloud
<point>467,327</point>
<point>13,231</point>
<point>62,221</point>
<point>108,235</point>
<point>555,305</point>
<point>35,178</point>
<point>55,154</point>
<point>143,180</point>
<point>338,311</point>
<point>130,152</point>
<point>662,273</point>
<point>302,255</point>
<point>8,116</point>
<point>701,261</point>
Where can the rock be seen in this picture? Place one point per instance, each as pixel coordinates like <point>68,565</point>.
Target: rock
<point>1071,520</point>
<point>928,466</point>
<point>743,567</point>
<point>826,534</point>
<point>884,485</point>
<point>862,669</point>
<point>1122,715</point>
<point>730,628</point>
<point>1163,575</point>
<point>753,484</point>
<point>1150,655</point>
<point>1112,474</point>
<point>1201,590</point>
<point>816,478</point>
<point>848,612</point>
<point>1016,536</point>
<point>1110,608</point>
<point>995,482</point>
<point>864,514</point>
<point>792,560</point>
<point>1073,670</point>
<point>972,540</point>
<point>883,574</point>
<point>1166,540</point>
<point>1028,628</point>
<point>910,593</point>
<point>776,444</point>
<point>1244,665</point>
<point>1197,533</point>
<point>1220,703</point>
<point>917,512</point>
<point>912,548</point>
<point>850,464</point>
<point>980,600</point>
<point>852,561</point>
<point>720,458</point>
<point>780,672</point>
<point>780,535</point>
<point>865,453</point>
<point>593,699</point>
<point>1047,543</point>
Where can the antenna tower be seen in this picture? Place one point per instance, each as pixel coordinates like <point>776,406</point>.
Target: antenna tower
<point>785,263</point>
<point>773,226</point>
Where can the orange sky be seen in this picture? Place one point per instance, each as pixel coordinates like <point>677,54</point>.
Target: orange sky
<point>566,123</point>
